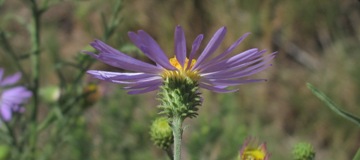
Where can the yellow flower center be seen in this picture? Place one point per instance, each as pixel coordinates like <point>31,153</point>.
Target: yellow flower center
<point>174,62</point>
<point>182,72</point>
<point>253,154</point>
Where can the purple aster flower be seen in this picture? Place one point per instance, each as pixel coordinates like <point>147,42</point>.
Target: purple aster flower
<point>12,98</point>
<point>216,74</point>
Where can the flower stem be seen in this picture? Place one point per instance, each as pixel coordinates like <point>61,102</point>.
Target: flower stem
<point>177,129</point>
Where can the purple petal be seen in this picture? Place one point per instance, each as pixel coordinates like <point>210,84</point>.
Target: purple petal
<point>129,64</point>
<point>228,51</point>
<point>105,75</point>
<point>144,84</point>
<point>124,78</point>
<point>228,82</point>
<point>1,73</point>
<point>194,48</point>
<point>236,63</point>
<point>137,41</point>
<point>6,112</point>
<point>241,70</point>
<point>180,45</point>
<point>152,48</point>
<point>118,59</point>
<point>215,66</point>
<point>149,89</point>
<point>11,99</point>
<point>239,65</point>
<point>10,80</point>
<point>155,78</point>
<point>211,47</point>
<point>216,89</point>
<point>103,47</point>
<point>228,74</point>
<point>240,74</point>
<point>16,95</point>
<point>246,58</point>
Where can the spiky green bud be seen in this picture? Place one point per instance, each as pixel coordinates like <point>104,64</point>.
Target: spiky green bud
<point>303,151</point>
<point>161,133</point>
<point>179,97</point>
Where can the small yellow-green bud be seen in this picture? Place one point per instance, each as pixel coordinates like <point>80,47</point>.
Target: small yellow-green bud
<point>161,133</point>
<point>303,151</point>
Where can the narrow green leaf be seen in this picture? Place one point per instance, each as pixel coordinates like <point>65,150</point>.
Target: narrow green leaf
<point>333,106</point>
<point>357,155</point>
<point>104,22</point>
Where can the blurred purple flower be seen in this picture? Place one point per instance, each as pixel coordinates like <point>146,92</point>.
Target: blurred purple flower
<point>215,74</point>
<point>11,98</point>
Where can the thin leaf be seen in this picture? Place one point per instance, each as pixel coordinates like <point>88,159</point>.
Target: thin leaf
<point>357,155</point>
<point>333,106</point>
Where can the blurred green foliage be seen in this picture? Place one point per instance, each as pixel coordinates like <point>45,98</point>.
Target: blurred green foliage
<point>317,42</point>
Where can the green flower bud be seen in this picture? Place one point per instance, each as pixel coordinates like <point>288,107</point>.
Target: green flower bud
<point>161,133</point>
<point>303,151</point>
<point>180,97</point>
<point>50,94</point>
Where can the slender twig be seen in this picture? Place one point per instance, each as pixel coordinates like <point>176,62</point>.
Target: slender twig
<point>109,28</point>
<point>8,49</point>
<point>58,67</point>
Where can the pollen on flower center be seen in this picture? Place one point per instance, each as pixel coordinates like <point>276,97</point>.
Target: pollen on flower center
<point>182,72</point>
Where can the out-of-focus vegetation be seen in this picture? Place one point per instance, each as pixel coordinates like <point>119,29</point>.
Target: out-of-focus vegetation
<point>318,42</point>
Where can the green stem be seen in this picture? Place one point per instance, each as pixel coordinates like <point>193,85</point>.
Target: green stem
<point>177,129</point>
<point>35,64</point>
<point>12,135</point>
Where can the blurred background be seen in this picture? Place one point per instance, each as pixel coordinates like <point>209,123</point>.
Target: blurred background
<point>318,42</point>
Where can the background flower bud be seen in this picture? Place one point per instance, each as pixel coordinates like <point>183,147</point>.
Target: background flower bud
<point>161,133</point>
<point>303,151</point>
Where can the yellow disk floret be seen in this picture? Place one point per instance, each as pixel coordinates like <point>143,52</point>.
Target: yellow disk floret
<point>253,154</point>
<point>174,62</point>
<point>181,72</point>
